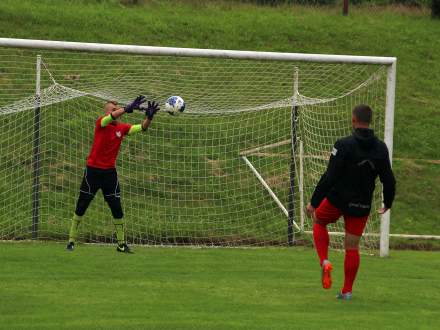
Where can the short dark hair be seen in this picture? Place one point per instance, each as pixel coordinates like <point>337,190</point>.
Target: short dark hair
<point>363,113</point>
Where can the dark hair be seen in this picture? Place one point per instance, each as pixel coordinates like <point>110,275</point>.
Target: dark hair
<point>363,113</point>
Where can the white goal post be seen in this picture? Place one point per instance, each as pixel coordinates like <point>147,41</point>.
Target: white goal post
<point>318,101</point>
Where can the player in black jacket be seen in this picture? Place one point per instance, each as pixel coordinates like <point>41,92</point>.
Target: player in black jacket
<point>346,189</point>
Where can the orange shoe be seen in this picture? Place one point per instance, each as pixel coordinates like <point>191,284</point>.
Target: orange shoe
<point>326,276</point>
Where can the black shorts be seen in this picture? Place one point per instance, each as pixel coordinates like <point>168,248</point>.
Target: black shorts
<point>95,179</point>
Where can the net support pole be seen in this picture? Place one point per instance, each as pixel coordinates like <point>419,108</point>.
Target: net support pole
<point>388,138</point>
<point>36,154</point>
<point>292,171</point>
<point>301,184</point>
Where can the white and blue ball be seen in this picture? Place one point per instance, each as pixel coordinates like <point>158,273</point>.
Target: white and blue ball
<point>175,105</point>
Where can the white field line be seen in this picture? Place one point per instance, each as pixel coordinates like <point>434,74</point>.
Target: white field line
<point>409,236</point>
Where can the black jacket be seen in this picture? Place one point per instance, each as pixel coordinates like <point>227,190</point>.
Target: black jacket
<point>349,181</point>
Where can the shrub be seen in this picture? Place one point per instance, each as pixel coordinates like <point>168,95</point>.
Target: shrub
<point>435,8</point>
<point>283,2</point>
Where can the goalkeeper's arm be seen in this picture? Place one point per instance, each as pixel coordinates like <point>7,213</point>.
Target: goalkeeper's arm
<point>150,111</point>
<point>107,119</point>
<point>116,112</point>
<point>140,127</point>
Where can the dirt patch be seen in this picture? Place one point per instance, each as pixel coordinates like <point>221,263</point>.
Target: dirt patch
<point>268,154</point>
<point>216,167</point>
<point>64,165</point>
<point>278,181</point>
<point>59,179</point>
<point>72,77</point>
<point>414,160</point>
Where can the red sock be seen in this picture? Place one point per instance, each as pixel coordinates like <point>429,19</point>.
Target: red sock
<point>320,236</point>
<point>351,266</point>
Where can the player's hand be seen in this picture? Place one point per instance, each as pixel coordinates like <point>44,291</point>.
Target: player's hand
<point>310,210</point>
<point>135,104</point>
<point>151,109</point>
<point>382,210</point>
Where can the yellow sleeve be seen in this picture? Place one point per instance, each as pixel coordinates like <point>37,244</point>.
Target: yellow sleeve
<point>135,129</point>
<point>106,120</point>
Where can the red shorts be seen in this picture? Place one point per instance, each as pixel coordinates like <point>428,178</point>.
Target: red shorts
<point>328,213</point>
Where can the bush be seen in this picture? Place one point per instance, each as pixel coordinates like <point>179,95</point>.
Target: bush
<point>290,2</point>
<point>435,8</point>
<point>409,3</point>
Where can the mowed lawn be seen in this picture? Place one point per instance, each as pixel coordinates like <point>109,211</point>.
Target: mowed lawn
<point>43,286</point>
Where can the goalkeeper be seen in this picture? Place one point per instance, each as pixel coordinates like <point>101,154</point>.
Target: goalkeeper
<point>346,189</point>
<point>100,172</point>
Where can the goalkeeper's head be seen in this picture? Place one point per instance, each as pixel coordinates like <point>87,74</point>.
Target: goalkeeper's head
<point>111,106</point>
<point>361,116</point>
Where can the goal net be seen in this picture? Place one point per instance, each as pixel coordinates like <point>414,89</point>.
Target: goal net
<point>236,168</point>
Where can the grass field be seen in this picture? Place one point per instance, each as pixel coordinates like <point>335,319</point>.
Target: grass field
<point>44,287</point>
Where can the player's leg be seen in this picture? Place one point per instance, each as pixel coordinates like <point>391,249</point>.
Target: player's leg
<point>354,227</point>
<point>112,196</point>
<point>116,208</point>
<point>326,213</point>
<point>87,193</point>
<point>81,206</point>
<point>321,239</point>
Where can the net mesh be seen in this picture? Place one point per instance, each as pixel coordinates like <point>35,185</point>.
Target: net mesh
<point>200,178</point>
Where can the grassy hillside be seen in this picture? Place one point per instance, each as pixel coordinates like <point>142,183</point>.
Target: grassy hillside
<point>411,37</point>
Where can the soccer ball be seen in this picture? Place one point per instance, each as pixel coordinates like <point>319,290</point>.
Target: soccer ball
<point>174,105</point>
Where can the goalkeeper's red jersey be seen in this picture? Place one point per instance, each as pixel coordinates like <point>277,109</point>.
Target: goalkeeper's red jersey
<point>106,143</point>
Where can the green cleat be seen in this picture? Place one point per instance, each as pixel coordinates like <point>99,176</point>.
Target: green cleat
<point>70,246</point>
<point>344,296</point>
<point>123,248</point>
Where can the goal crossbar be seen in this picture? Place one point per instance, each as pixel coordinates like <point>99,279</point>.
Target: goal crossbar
<point>193,52</point>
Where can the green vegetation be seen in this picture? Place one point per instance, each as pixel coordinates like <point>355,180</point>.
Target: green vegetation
<point>415,3</point>
<point>435,8</point>
<point>410,36</point>
<point>45,287</point>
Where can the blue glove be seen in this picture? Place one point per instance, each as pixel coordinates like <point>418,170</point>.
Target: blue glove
<point>135,104</point>
<point>151,109</point>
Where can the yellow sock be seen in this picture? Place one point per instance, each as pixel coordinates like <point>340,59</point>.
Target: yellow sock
<point>120,230</point>
<point>74,227</point>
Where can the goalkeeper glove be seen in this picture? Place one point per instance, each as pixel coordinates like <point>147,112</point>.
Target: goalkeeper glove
<point>135,104</point>
<point>151,109</point>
